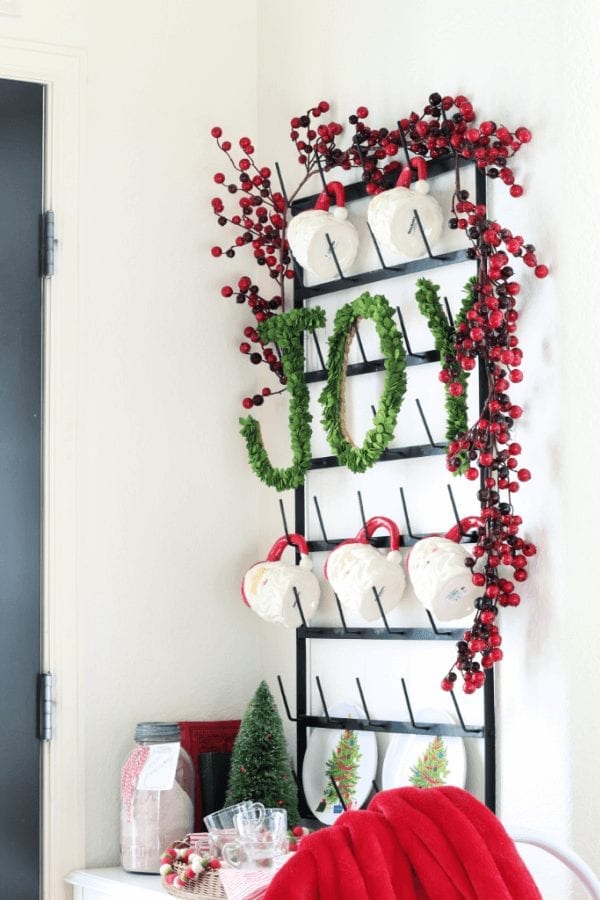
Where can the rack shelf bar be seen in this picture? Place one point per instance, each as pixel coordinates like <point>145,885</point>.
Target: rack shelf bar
<point>392,453</point>
<point>305,292</point>
<point>390,726</point>
<point>333,633</point>
<point>374,365</point>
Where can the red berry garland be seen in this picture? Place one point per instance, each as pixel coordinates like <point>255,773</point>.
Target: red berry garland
<point>446,127</point>
<point>192,865</point>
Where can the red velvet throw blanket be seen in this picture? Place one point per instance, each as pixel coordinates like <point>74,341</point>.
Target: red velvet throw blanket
<point>411,843</point>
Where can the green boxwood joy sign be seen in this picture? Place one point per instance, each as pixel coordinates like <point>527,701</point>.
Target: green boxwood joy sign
<point>286,330</point>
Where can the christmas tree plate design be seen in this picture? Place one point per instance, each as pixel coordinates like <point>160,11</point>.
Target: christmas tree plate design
<point>425,760</point>
<point>349,757</point>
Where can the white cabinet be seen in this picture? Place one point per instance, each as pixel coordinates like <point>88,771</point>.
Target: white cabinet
<point>114,884</point>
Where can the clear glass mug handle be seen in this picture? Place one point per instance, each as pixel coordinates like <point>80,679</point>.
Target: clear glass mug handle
<point>232,852</point>
<point>258,810</point>
<point>250,818</point>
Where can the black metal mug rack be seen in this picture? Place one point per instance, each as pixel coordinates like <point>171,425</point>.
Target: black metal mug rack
<point>305,632</point>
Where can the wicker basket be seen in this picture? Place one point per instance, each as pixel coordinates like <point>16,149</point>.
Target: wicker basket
<point>207,887</point>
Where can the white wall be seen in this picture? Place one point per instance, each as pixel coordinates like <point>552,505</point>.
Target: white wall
<point>533,64</point>
<point>169,513</point>
<point>166,504</point>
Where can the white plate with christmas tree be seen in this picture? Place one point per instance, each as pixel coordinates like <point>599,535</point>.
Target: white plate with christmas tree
<point>348,756</point>
<point>425,760</point>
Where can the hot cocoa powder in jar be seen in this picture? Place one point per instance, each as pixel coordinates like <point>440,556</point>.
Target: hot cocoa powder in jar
<point>157,790</point>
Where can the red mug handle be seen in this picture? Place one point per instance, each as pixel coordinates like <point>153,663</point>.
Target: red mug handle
<point>372,525</point>
<point>458,530</point>
<point>405,177</point>
<point>334,189</point>
<point>296,540</point>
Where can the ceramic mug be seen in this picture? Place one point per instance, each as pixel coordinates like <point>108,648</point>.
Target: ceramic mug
<point>307,235</point>
<point>221,826</point>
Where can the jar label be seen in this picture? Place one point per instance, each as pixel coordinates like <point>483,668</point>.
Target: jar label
<point>159,769</point>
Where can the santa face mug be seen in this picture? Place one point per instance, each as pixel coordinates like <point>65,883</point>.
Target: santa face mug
<point>308,232</point>
<point>354,568</point>
<point>271,588</point>
<point>441,579</point>
<point>392,214</point>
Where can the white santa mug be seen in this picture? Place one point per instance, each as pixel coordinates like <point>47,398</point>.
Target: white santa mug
<point>441,580</point>
<point>307,235</point>
<point>355,567</point>
<point>391,214</point>
<point>268,587</point>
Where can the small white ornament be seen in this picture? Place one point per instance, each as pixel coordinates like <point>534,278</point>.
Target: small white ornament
<point>391,214</point>
<point>355,567</point>
<point>268,587</point>
<point>308,231</point>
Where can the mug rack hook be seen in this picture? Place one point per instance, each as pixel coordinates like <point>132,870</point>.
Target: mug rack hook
<point>322,696</point>
<point>410,712</point>
<point>320,518</point>
<point>409,349</point>
<point>383,615</point>
<point>360,343</point>
<point>363,701</point>
<point>299,605</point>
<point>341,612</point>
<point>338,792</point>
<point>285,702</point>
<point>424,236</point>
<point>297,269</point>
<point>321,172</point>
<point>331,246</point>
<point>460,718</point>
<point>362,511</point>
<point>406,518</point>
<point>432,443</point>
<point>434,627</point>
<point>462,532</point>
<point>449,313</point>
<point>284,520</point>
<point>382,261</point>
<point>318,349</point>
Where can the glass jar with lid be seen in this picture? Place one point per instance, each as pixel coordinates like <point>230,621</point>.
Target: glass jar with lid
<point>157,796</point>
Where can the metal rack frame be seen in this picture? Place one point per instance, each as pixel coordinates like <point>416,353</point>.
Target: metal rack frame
<point>305,633</point>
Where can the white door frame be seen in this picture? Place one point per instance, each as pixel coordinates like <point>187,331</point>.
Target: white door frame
<point>61,70</point>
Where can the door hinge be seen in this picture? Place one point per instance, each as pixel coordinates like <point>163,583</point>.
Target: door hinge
<point>45,707</point>
<point>48,243</point>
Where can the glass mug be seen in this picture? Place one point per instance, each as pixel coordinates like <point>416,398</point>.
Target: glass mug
<point>258,845</point>
<point>221,827</point>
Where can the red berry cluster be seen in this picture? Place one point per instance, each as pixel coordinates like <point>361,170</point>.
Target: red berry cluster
<point>259,218</point>
<point>317,146</point>
<point>488,333</point>
<point>438,132</point>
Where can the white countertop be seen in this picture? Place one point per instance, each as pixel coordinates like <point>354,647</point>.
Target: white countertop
<point>119,882</point>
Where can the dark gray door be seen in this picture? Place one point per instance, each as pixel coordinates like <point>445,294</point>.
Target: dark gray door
<point>21,171</point>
